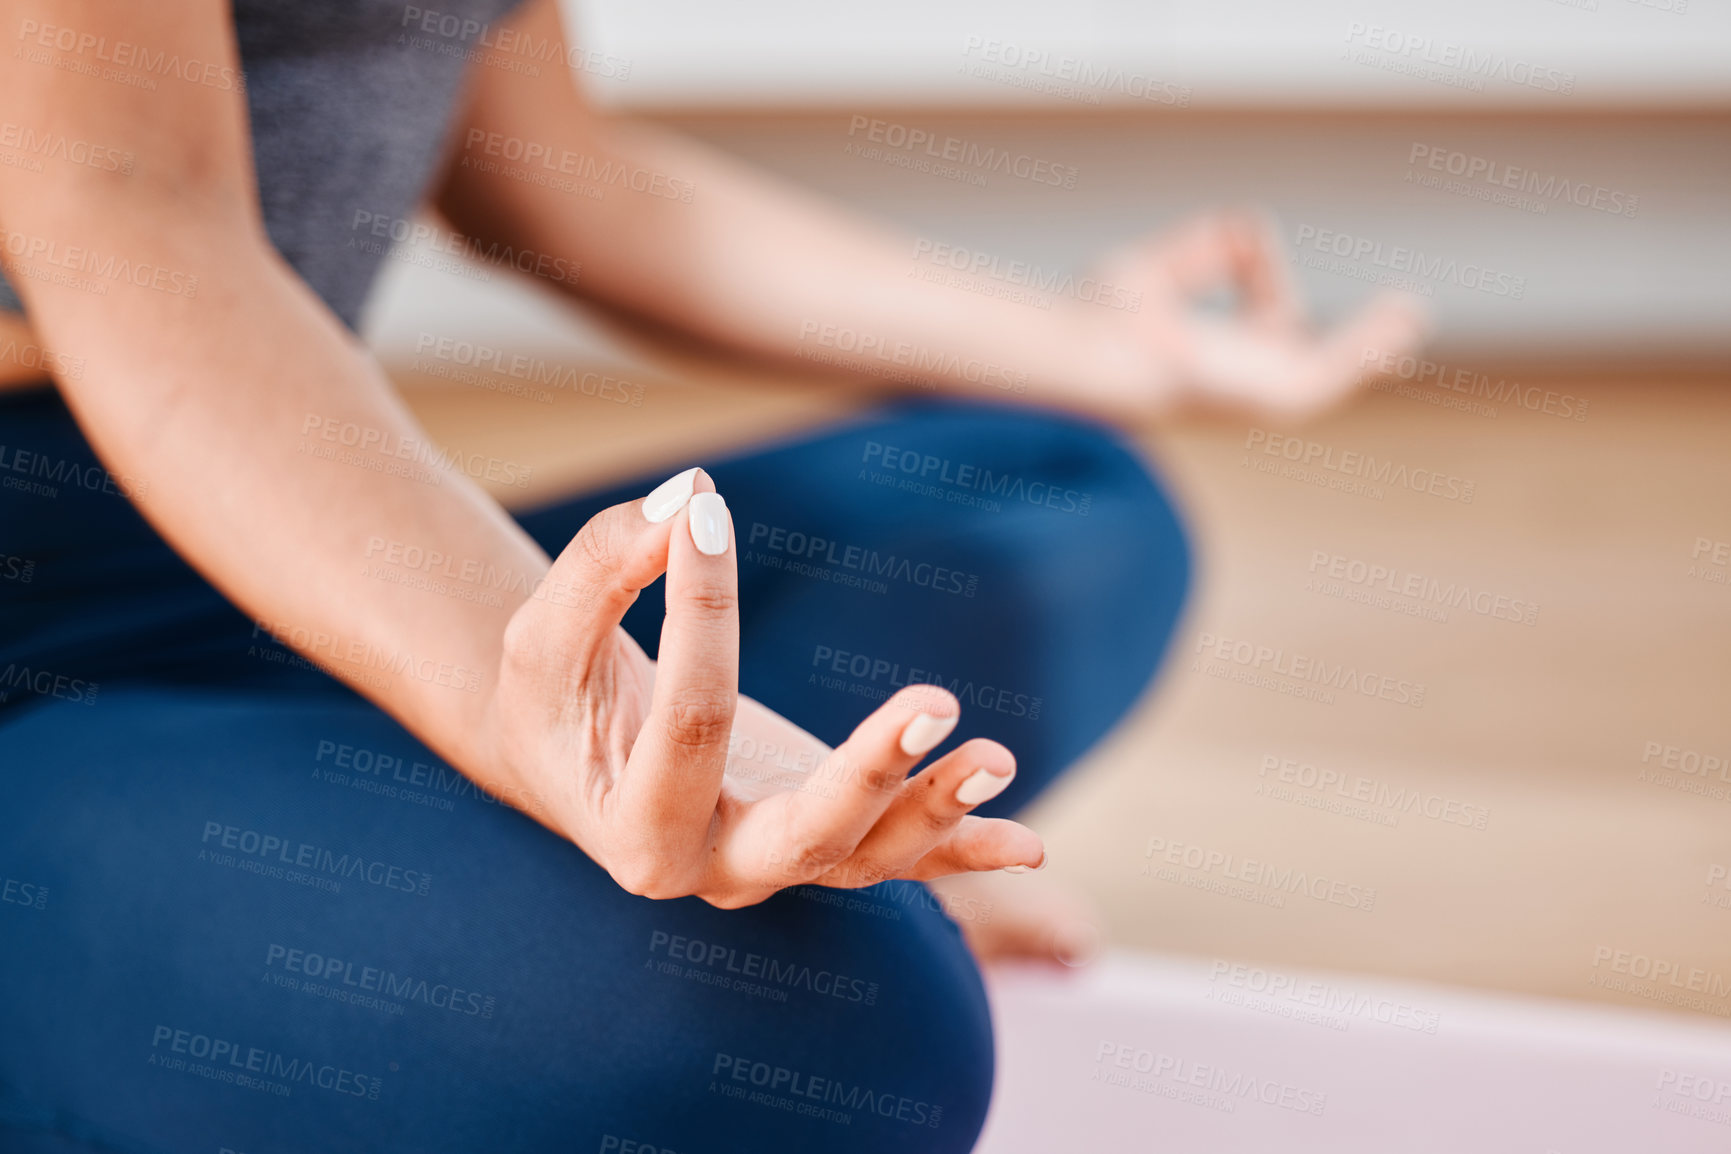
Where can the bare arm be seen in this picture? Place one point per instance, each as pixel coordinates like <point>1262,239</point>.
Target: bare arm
<point>269,450</point>
<point>730,254</point>
<point>218,384</point>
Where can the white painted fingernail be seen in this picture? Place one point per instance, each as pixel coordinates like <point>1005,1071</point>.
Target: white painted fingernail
<point>925,731</point>
<point>709,524</point>
<point>984,785</point>
<point>1020,869</point>
<point>670,496</point>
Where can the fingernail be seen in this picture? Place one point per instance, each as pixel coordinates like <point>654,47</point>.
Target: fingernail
<point>984,785</point>
<point>709,524</point>
<point>1020,869</point>
<point>1078,945</point>
<point>670,496</point>
<point>925,731</point>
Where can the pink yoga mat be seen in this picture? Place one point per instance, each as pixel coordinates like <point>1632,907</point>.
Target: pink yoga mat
<point>1185,1056</point>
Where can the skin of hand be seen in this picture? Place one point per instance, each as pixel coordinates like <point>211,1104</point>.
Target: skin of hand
<point>630,757</point>
<point>1260,355</point>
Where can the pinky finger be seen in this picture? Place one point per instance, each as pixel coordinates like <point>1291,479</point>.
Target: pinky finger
<point>978,844</point>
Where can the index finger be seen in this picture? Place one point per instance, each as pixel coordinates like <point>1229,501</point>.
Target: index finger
<point>673,776</point>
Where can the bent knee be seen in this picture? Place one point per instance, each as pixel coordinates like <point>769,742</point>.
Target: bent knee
<point>836,1020</point>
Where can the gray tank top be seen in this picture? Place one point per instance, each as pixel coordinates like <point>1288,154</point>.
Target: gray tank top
<point>350,101</point>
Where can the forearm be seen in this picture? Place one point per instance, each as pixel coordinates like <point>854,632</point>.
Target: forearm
<point>746,260</point>
<point>270,451</point>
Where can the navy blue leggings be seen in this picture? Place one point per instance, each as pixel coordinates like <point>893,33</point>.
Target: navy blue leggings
<point>241,909</point>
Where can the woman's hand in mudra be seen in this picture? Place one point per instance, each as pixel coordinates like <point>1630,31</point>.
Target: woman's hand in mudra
<point>1163,349</point>
<point>628,757</point>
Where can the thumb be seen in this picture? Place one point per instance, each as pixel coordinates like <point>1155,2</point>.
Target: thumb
<point>600,573</point>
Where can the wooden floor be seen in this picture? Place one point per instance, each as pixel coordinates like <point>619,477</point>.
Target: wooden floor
<point>1203,826</point>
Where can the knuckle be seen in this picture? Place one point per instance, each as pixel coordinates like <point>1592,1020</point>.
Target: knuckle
<point>935,821</point>
<point>700,717</point>
<point>596,543</point>
<point>710,596</point>
<point>817,858</point>
<point>871,873</point>
<point>646,878</point>
<point>525,636</point>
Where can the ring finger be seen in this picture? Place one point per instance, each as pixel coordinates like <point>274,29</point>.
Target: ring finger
<point>927,811</point>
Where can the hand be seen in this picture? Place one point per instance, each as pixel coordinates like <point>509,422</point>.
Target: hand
<point>629,758</point>
<point>1261,357</point>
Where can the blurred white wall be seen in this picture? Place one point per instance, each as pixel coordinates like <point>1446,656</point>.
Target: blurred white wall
<point>1608,204</point>
<point>1243,53</point>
